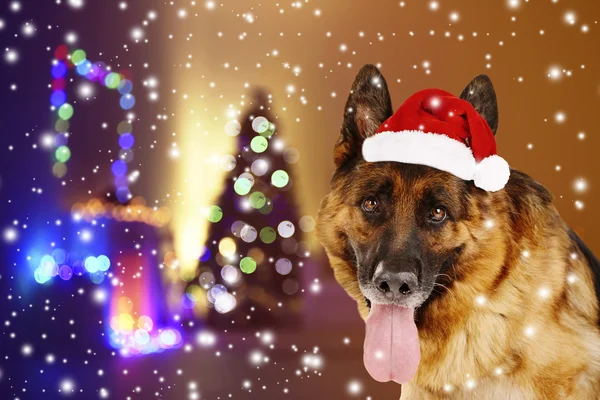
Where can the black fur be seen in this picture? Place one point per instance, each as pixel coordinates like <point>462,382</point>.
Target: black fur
<point>481,94</point>
<point>368,106</point>
<point>591,260</point>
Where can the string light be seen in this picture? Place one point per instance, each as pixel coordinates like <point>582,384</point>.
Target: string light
<point>93,72</point>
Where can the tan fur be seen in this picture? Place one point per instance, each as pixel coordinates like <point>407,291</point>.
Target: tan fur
<point>515,315</point>
<point>535,335</point>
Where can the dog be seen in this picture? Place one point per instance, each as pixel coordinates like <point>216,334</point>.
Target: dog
<point>505,294</point>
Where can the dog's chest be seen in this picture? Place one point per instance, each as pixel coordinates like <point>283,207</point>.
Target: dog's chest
<point>490,388</point>
<point>469,356</point>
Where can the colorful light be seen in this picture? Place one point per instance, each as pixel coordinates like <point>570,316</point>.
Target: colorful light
<point>62,154</point>
<point>286,229</point>
<point>78,57</point>
<point>257,200</point>
<point>65,111</point>
<point>59,70</point>
<point>58,98</point>
<point>214,214</point>
<point>112,80</point>
<point>259,144</point>
<point>127,101</point>
<point>126,141</point>
<point>247,265</point>
<point>227,247</point>
<point>268,235</point>
<point>242,186</point>
<point>119,168</point>
<point>125,86</point>
<point>65,265</point>
<point>280,178</point>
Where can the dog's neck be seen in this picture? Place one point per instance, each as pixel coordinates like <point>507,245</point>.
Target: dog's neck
<point>471,333</point>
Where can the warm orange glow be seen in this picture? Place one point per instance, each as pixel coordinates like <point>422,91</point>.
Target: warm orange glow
<point>136,211</point>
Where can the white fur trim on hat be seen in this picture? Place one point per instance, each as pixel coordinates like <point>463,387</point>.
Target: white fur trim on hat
<point>437,151</point>
<point>492,173</point>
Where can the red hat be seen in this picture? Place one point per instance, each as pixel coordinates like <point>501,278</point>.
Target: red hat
<point>440,130</point>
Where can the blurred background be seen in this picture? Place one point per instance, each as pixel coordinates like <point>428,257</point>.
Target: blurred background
<point>136,262</point>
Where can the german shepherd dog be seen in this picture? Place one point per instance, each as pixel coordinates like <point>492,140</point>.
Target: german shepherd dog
<point>506,295</point>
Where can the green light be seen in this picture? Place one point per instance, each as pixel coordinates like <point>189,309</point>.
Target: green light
<point>215,214</point>
<point>63,153</point>
<point>268,235</point>
<point>247,265</point>
<point>280,178</point>
<point>269,131</point>
<point>257,200</point>
<point>259,144</point>
<point>260,125</point>
<point>78,57</point>
<point>242,186</point>
<point>267,208</point>
<point>112,80</point>
<point>65,111</point>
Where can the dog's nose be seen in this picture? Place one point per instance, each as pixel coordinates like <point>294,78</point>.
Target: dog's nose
<point>392,283</point>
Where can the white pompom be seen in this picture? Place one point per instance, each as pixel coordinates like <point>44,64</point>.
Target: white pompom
<point>492,173</point>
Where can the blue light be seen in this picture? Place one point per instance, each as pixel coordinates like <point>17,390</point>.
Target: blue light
<point>97,277</point>
<point>125,86</point>
<point>121,181</point>
<point>78,268</point>
<point>65,272</point>
<point>59,70</point>
<point>91,264</point>
<point>103,263</point>
<point>59,256</point>
<point>123,194</point>
<point>40,277</point>
<point>84,68</point>
<point>58,98</point>
<point>119,168</point>
<point>168,338</point>
<point>141,336</point>
<point>127,101</point>
<point>205,255</point>
<point>60,140</point>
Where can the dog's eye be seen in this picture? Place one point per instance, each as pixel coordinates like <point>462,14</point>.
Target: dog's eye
<point>370,205</point>
<point>438,214</point>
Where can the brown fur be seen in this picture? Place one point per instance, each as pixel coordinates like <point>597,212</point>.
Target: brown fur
<point>536,335</point>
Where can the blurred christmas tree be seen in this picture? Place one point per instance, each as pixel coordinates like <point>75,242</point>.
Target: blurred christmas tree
<point>248,274</point>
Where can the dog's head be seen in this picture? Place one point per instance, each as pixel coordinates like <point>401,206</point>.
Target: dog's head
<point>395,231</point>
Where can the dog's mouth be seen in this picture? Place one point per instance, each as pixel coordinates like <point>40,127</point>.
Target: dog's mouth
<point>391,348</point>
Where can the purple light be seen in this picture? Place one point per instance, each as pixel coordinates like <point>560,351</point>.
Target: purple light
<point>60,140</point>
<point>123,194</point>
<point>119,168</point>
<point>126,141</point>
<point>121,181</point>
<point>65,272</point>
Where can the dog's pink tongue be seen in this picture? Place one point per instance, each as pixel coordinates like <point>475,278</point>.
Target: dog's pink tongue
<point>391,351</point>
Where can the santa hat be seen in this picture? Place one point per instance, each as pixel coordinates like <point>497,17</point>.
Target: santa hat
<point>439,130</point>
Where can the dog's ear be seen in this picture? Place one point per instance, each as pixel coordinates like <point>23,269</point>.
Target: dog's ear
<point>367,107</point>
<point>481,94</point>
